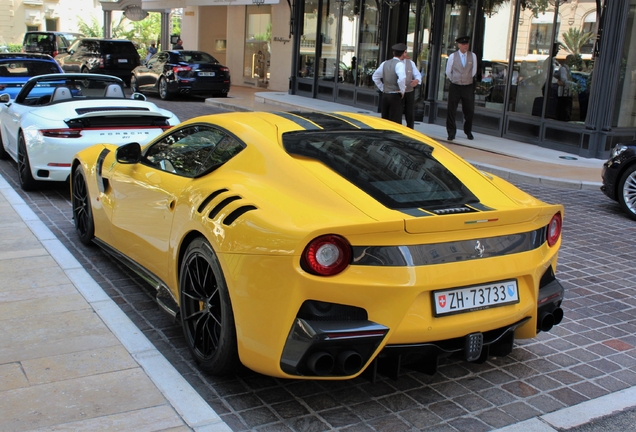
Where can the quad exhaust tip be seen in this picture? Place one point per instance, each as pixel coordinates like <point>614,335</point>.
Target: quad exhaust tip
<point>547,320</point>
<point>322,363</point>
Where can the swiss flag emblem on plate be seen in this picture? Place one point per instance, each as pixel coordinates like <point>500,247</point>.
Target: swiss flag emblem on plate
<point>442,301</point>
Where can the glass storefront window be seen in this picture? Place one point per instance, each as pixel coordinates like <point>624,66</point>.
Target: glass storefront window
<point>348,64</point>
<point>307,61</point>
<point>625,107</point>
<point>421,61</point>
<point>566,77</point>
<point>330,18</point>
<point>258,37</point>
<point>458,21</point>
<point>369,48</point>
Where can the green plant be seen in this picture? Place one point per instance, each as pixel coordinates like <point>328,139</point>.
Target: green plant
<point>574,39</point>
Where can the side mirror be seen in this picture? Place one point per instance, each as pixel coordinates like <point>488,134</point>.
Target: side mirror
<point>129,153</point>
<point>138,96</point>
<point>4,98</point>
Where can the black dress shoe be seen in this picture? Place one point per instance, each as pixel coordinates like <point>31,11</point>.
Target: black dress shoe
<point>451,137</point>
<point>470,136</point>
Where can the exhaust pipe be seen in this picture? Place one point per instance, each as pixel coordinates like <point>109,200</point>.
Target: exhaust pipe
<point>546,321</point>
<point>558,315</point>
<point>320,363</point>
<point>349,362</point>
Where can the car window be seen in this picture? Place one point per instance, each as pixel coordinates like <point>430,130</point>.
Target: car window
<point>88,47</point>
<point>192,151</point>
<point>396,170</point>
<point>126,48</point>
<point>196,57</point>
<point>27,68</point>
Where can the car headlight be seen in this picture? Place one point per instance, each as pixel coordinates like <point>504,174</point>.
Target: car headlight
<point>617,150</point>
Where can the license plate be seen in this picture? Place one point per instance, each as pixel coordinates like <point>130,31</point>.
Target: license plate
<point>458,300</point>
<point>207,73</point>
<point>122,60</point>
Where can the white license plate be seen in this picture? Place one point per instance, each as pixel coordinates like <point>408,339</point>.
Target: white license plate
<point>207,73</point>
<point>122,60</point>
<point>457,300</point>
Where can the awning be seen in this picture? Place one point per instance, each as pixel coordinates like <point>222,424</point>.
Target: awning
<point>227,2</point>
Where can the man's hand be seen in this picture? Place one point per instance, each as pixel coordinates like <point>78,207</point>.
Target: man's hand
<point>414,83</point>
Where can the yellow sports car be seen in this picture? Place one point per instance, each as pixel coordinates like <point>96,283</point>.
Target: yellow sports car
<point>321,246</point>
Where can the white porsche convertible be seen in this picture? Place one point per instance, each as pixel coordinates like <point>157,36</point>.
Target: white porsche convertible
<point>54,116</point>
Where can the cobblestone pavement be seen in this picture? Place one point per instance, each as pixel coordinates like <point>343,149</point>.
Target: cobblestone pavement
<point>590,354</point>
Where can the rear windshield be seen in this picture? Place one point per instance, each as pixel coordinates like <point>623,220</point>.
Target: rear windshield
<point>27,68</point>
<point>394,169</point>
<point>125,48</point>
<point>190,58</point>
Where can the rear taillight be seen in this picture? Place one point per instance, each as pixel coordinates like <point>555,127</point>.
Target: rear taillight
<point>554,229</point>
<point>326,255</point>
<point>177,69</point>
<point>62,133</point>
<point>101,63</point>
<point>54,53</point>
<point>225,69</point>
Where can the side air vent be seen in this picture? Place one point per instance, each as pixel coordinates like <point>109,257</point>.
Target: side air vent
<point>210,198</point>
<point>220,206</point>
<point>454,210</point>
<point>237,213</point>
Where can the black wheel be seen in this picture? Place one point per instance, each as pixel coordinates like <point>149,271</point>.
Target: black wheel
<point>27,182</point>
<point>3,152</point>
<point>163,89</point>
<point>82,210</point>
<point>206,310</point>
<point>84,70</point>
<point>627,192</point>
<point>133,84</point>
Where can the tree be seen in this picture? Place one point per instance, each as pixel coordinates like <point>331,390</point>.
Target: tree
<point>574,40</point>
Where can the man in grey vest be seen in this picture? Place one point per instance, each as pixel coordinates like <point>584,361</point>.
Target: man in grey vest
<point>390,79</point>
<point>460,70</point>
<point>413,79</point>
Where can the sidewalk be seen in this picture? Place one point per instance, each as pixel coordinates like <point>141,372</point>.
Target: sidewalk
<point>511,160</point>
<point>72,360</point>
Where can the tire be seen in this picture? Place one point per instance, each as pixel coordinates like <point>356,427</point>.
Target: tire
<point>3,152</point>
<point>133,85</point>
<point>206,311</point>
<point>82,209</point>
<point>627,192</point>
<point>84,70</point>
<point>163,89</point>
<point>27,182</point>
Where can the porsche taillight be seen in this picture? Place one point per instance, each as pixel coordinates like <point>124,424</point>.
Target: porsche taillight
<point>554,229</point>
<point>326,255</point>
<point>61,133</point>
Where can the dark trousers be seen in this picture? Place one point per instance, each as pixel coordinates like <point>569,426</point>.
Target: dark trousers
<point>409,109</point>
<point>392,107</point>
<point>465,94</point>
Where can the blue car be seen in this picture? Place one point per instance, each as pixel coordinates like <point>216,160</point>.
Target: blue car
<point>17,68</point>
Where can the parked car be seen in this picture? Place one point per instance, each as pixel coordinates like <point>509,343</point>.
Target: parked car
<point>54,116</point>
<point>182,72</point>
<point>619,177</point>
<point>311,245</point>
<point>17,68</point>
<point>117,57</point>
<point>48,42</point>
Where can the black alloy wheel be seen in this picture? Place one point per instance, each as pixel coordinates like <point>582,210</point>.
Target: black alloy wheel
<point>627,192</point>
<point>163,89</point>
<point>82,211</point>
<point>27,182</point>
<point>3,152</point>
<point>206,310</point>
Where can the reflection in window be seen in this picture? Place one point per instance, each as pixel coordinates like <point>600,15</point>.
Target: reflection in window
<point>308,37</point>
<point>369,43</point>
<point>192,151</point>
<point>625,107</point>
<point>258,37</point>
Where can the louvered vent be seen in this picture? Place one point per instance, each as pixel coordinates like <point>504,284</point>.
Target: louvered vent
<point>453,210</point>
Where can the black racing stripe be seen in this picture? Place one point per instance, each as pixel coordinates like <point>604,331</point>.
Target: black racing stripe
<point>415,212</point>
<point>326,121</point>
<point>356,123</point>
<point>305,124</point>
<point>480,207</point>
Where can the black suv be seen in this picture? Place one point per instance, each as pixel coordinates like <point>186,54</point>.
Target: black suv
<point>48,42</point>
<point>116,57</point>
